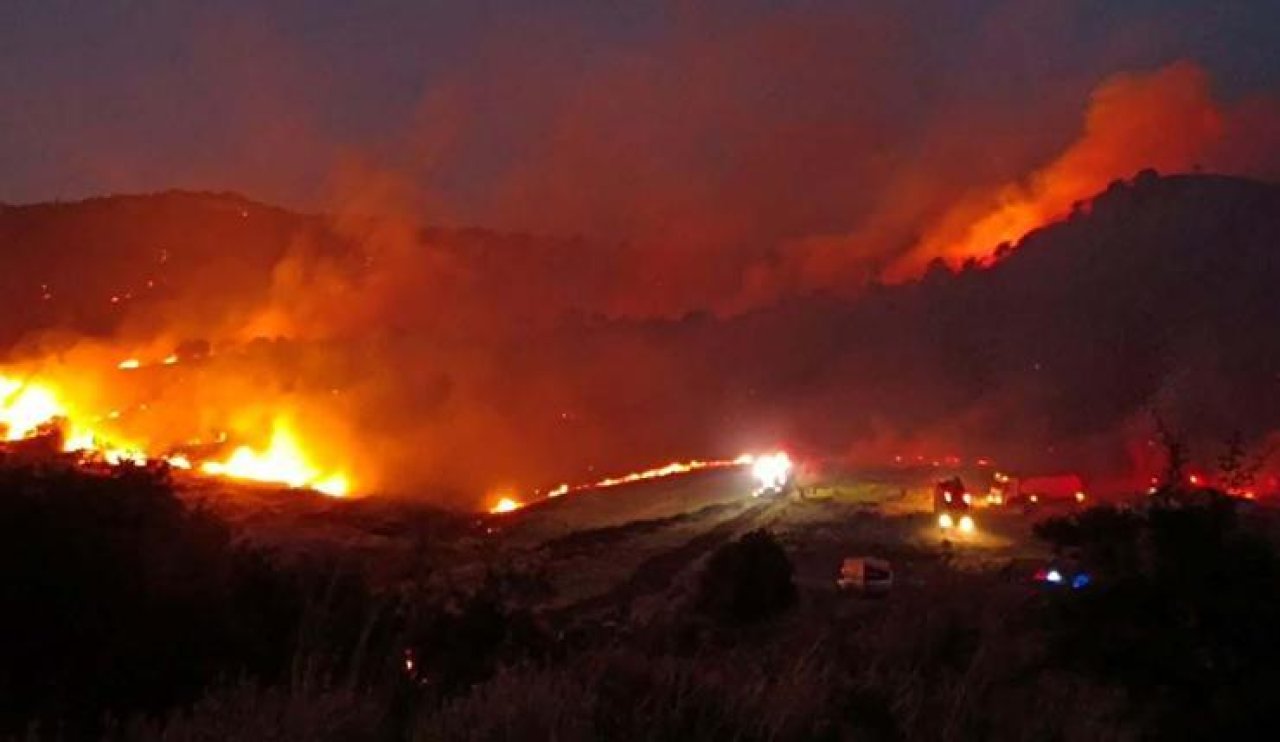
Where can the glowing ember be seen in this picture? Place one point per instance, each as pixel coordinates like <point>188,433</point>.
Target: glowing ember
<point>505,505</point>
<point>283,461</point>
<point>130,363</point>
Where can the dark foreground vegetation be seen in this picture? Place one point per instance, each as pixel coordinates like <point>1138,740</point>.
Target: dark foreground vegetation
<point>128,615</point>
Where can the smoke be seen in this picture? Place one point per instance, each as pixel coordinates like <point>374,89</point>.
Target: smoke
<point>711,196</point>
<point>1165,120</point>
<point>678,210</point>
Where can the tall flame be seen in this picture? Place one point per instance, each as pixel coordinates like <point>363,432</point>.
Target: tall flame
<point>283,460</point>
<point>28,406</point>
<point>24,407</point>
<point>1166,119</point>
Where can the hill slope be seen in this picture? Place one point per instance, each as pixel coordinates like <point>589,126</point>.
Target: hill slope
<point>496,364</point>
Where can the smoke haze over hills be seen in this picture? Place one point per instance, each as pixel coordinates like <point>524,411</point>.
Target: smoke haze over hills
<point>701,228</point>
<point>485,366</point>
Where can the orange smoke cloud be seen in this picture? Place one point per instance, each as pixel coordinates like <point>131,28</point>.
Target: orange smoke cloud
<point>1166,120</point>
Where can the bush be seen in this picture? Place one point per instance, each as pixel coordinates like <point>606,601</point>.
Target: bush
<point>120,599</point>
<point>747,580</point>
<point>1184,615</point>
<point>625,694</point>
<point>458,642</point>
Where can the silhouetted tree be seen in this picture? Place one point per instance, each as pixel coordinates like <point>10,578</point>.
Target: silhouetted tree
<point>1237,467</point>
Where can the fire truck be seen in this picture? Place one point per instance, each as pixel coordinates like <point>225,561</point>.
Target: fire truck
<point>953,505</point>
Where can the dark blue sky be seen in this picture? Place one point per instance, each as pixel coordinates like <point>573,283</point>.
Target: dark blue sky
<point>459,99</point>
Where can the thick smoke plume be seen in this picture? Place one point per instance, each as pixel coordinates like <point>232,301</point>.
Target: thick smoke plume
<point>1167,120</point>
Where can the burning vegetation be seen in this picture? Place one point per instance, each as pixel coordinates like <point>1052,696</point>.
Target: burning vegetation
<point>772,472</point>
<point>905,241</point>
<point>37,409</point>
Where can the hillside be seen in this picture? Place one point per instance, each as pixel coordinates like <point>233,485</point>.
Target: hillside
<point>1154,297</point>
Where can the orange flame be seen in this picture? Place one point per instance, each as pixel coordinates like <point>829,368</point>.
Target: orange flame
<point>28,407</point>
<point>506,505</point>
<point>676,468</point>
<point>283,461</point>
<point>669,470</point>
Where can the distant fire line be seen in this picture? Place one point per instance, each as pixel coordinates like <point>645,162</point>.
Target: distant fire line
<point>506,502</point>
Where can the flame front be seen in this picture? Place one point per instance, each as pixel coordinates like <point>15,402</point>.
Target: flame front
<point>29,408</point>
<point>24,407</point>
<point>506,504</point>
<point>283,461</point>
<point>669,470</point>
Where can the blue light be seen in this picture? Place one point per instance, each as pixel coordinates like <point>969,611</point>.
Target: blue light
<point>1081,580</point>
<point>1054,576</point>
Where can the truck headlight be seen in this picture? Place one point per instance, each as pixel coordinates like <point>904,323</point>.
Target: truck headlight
<point>966,524</point>
<point>945,521</point>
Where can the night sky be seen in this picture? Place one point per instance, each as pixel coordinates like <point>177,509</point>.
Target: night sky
<point>463,100</point>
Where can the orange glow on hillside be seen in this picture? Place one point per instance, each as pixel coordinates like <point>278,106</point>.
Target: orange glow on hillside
<point>505,505</point>
<point>1164,120</point>
<point>673,469</point>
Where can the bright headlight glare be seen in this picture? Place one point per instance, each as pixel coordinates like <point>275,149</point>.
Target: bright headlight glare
<point>966,524</point>
<point>945,521</point>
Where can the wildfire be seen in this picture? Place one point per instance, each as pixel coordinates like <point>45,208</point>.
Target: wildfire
<point>30,408</point>
<point>1114,142</point>
<point>770,470</point>
<point>668,470</point>
<point>24,407</point>
<point>506,505</point>
<point>282,461</point>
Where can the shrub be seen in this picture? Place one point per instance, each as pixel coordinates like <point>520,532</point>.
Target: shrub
<point>119,599</point>
<point>747,580</point>
<point>1186,620</point>
<point>456,643</point>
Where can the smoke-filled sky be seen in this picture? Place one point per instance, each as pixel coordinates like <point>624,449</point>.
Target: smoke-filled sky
<point>675,160</point>
<point>772,140</point>
<point>506,111</point>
